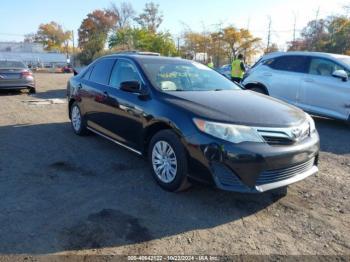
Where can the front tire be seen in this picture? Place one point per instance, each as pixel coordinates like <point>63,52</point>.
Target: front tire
<point>168,161</point>
<point>78,121</point>
<point>280,192</point>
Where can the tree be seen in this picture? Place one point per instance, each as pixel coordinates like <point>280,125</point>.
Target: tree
<point>151,18</point>
<point>51,36</point>
<point>325,35</point>
<point>272,48</point>
<point>195,43</point>
<point>93,33</point>
<point>339,38</point>
<point>240,42</point>
<point>143,40</point>
<point>124,14</point>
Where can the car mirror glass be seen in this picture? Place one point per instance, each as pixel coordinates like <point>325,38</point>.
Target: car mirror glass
<point>131,87</point>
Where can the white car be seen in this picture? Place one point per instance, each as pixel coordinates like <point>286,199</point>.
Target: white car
<point>316,82</point>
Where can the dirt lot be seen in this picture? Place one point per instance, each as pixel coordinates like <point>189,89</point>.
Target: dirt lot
<point>62,193</point>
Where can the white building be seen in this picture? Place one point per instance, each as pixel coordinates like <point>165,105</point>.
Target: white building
<point>22,47</point>
<point>31,54</point>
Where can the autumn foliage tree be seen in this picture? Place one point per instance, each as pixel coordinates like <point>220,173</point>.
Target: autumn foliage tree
<point>330,35</point>
<point>51,35</point>
<point>223,44</point>
<point>93,33</point>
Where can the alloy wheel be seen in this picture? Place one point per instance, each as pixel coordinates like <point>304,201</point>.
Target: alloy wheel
<point>76,118</point>
<point>164,161</point>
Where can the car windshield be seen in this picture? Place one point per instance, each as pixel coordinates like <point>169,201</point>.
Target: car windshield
<point>172,75</point>
<point>345,60</point>
<point>11,64</point>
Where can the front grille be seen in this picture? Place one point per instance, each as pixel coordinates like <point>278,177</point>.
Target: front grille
<point>284,136</point>
<point>276,175</point>
<point>278,141</point>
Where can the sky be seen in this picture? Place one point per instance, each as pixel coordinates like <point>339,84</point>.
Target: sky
<point>18,17</point>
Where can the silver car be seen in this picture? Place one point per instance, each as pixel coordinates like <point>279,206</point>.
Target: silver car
<point>316,82</point>
<point>15,75</point>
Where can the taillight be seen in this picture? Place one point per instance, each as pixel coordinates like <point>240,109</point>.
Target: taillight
<point>25,74</point>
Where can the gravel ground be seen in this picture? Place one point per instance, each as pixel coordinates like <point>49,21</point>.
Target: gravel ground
<point>65,194</point>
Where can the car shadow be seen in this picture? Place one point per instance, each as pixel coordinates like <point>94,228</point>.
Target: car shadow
<point>62,192</point>
<point>334,135</point>
<point>9,92</point>
<point>51,94</point>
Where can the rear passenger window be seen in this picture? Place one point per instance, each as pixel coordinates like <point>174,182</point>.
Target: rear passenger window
<point>102,71</point>
<point>297,64</point>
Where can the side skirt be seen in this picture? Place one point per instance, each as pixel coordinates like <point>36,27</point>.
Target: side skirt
<point>115,141</point>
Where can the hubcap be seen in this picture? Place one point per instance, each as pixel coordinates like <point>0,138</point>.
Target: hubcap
<point>76,118</point>
<point>164,161</point>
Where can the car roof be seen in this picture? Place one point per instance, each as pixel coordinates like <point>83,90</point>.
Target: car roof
<point>147,57</point>
<point>304,53</point>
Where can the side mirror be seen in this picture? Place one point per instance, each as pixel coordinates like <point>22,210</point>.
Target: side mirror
<point>341,74</point>
<point>131,87</point>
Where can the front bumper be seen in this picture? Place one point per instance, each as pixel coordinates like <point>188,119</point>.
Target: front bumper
<point>251,167</point>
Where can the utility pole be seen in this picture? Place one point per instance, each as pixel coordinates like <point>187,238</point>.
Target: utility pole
<point>316,29</point>
<point>178,45</point>
<point>269,35</point>
<point>73,51</point>
<point>317,13</point>
<point>294,27</point>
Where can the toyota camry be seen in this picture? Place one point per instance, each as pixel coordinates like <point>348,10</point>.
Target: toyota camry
<point>192,123</point>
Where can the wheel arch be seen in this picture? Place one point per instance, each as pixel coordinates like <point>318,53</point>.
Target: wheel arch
<point>70,103</point>
<point>250,85</point>
<point>154,128</point>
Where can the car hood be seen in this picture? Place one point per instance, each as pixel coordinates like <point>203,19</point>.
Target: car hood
<point>239,107</point>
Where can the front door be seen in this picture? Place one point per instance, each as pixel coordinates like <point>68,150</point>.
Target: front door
<point>124,113</point>
<point>323,94</point>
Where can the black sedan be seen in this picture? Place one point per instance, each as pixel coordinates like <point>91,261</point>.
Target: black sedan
<point>193,124</point>
<point>15,75</point>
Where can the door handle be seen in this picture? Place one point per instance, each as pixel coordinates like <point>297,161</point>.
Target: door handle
<point>267,74</point>
<point>309,80</point>
<point>105,94</point>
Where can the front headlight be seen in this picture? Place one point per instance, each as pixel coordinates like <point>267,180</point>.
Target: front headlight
<point>311,123</point>
<point>232,133</point>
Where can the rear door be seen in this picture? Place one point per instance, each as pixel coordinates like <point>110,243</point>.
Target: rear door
<point>284,76</point>
<point>323,94</point>
<point>93,92</point>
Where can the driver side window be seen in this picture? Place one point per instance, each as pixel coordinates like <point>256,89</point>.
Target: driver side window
<point>123,71</point>
<point>324,67</point>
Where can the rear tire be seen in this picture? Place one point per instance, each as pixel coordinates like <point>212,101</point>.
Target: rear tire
<point>78,121</point>
<point>168,161</point>
<point>32,90</point>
